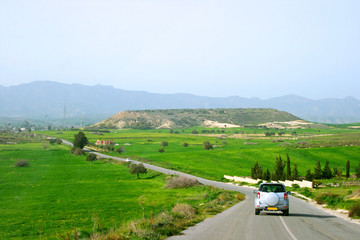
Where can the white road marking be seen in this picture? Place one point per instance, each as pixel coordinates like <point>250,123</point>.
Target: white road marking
<point>287,229</point>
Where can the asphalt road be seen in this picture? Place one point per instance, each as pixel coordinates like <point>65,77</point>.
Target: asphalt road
<point>240,222</point>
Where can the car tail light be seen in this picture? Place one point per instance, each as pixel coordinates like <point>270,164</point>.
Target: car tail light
<point>285,196</point>
<point>258,195</point>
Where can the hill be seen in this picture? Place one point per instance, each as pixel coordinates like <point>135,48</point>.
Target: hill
<point>57,100</point>
<point>182,118</point>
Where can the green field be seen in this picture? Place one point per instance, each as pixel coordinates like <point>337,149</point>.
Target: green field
<point>59,191</point>
<point>234,154</point>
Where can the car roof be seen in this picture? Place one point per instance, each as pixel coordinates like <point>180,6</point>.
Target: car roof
<point>271,184</point>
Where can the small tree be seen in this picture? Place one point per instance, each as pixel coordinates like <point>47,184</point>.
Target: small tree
<point>195,131</point>
<point>137,169</point>
<point>309,176</point>
<point>279,169</point>
<point>296,173</point>
<point>185,144</point>
<point>120,150</point>
<point>164,143</point>
<point>317,171</point>
<point>91,157</point>
<point>357,171</point>
<point>347,169</point>
<point>208,146</point>
<point>161,150</point>
<point>80,140</point>
<point>256,171</point>
<point>266,175</point>
<point>337,172</point>
<point>288,167</point>
<point>327,173</point>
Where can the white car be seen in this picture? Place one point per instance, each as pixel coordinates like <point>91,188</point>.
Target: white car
<point>272,197</point>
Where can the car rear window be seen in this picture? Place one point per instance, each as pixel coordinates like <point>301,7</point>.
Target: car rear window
<point>272,188</point>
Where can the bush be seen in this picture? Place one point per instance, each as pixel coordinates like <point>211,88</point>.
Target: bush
<point>208,146</point>
<point>295,185</point>
<point>240,197</point>
<point>185,144</point>
<point>164,143</point>
<point>91,157</point>
<point>120,150</point>
<point>329,198</point>
<point>354,211</point>
<point>161,150</point>
<point>183,210</point>
<point>181,181</point>
<point>77,151</point>
<point>21,163</point>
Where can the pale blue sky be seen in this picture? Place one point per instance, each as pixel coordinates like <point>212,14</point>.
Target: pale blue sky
<point>263,48</point>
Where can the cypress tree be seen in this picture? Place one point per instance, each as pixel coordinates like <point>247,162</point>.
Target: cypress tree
<point>288,168</point>
<point>317,171</point>
<point>347,169</point>
<point>309,176</point>
<point>327,173</point>
<point>296,173</point>
<point>279,169</point>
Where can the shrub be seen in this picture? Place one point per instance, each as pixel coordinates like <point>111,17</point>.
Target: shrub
<point>295,185</point>
<point>77,151</point>
<point>185,144</point>
<point>183,210</point>
<point>120,150</point>
<point>208,146</point>
<point>239,197</point>
<point>164,143</point>
<point>21,163</point>
<point>91,157</point>
<point>161,150</point>
<point>354,211</point>
<point>181,181</point>
<point>329,198</point>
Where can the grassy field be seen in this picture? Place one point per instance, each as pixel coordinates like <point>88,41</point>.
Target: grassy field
<point>236,150</point>
<point>59,191</point>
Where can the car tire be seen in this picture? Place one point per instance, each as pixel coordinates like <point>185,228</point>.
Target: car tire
<point>286,212</point>
<point>257,211</point>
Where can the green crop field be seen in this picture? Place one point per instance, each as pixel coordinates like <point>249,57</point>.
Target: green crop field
<point>235,150</point>
<point>59,191</point>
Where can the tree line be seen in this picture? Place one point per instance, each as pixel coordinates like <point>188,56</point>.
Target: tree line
<point>283,171</point>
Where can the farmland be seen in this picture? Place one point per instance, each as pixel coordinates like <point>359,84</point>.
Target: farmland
<point>235,150</point>
<point>59,191</point>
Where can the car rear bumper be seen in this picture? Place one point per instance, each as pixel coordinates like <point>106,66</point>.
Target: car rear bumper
<point>272,208</point>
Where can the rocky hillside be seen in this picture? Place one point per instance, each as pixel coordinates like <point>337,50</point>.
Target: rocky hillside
<point>181,118</point>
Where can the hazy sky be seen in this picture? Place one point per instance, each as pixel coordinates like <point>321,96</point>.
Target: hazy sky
<point>248,48</point>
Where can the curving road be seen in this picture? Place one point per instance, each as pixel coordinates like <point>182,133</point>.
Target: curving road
<point>240,222</point>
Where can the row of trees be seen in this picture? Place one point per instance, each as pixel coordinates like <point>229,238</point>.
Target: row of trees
<point>283,170</point>
<point>279,173</point>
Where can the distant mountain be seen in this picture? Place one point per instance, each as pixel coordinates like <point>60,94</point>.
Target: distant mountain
<point>184,118</point>
<point>45,98</point>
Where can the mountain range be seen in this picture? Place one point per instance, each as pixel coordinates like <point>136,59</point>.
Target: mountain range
<point>58,100</point>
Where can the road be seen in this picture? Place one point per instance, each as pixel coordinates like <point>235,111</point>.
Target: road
<point>240,222</point>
